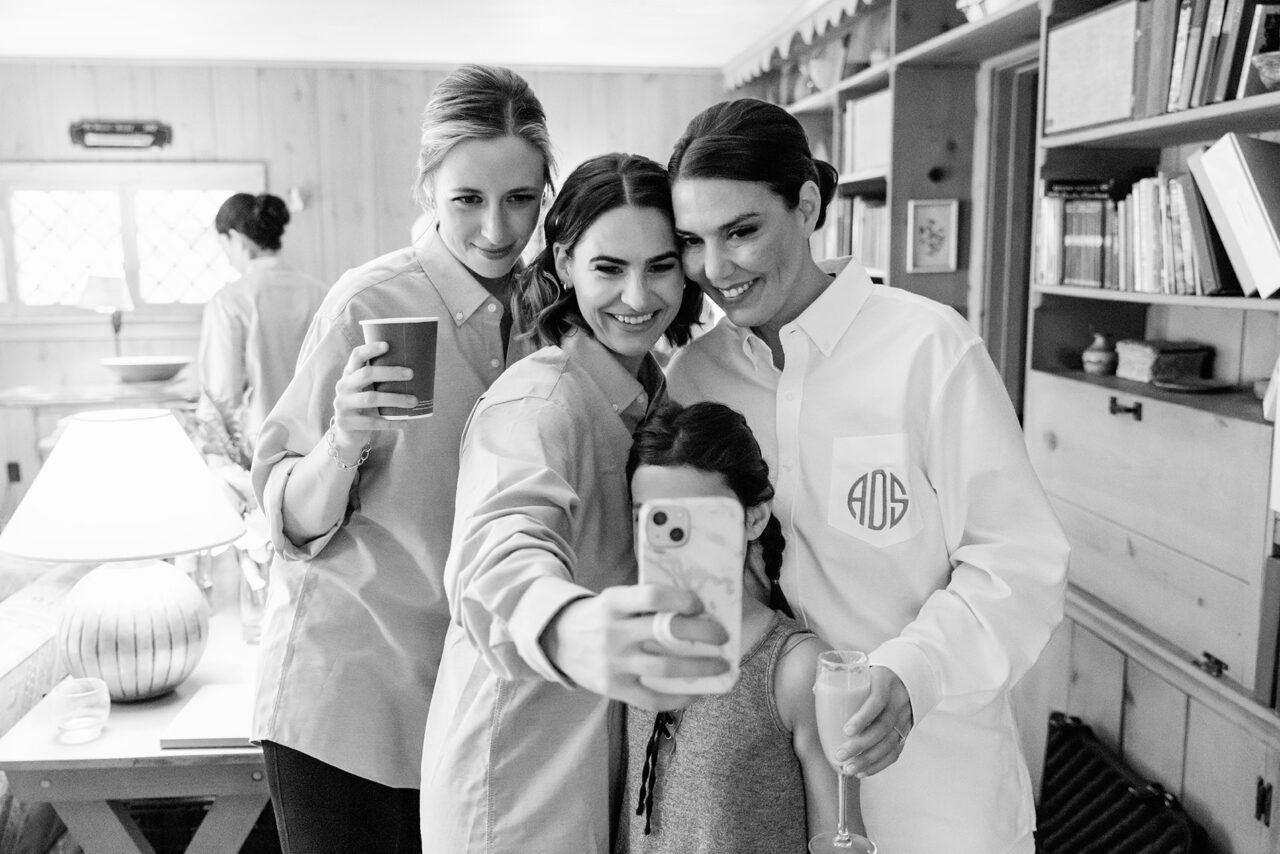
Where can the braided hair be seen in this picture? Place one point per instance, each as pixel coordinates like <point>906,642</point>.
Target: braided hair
<point>712,437</point>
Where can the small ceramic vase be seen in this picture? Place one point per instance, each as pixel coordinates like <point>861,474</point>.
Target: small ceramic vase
<point>1100,357</point>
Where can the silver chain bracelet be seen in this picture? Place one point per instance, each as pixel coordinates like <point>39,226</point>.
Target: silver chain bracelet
<point>333,450</point>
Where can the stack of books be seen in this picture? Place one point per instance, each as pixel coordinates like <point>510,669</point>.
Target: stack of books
<point>1149,361</point>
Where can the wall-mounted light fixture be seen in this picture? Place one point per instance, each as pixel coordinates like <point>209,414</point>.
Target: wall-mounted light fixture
<point>117,133</point>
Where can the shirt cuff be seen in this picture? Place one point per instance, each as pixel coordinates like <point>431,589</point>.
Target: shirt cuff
<point>540,603</point>
<point>273,509</point>
<point>911,665</point>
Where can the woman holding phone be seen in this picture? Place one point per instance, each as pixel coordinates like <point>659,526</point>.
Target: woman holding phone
<point>916,528</point>
<point>361,505</point>
<point>524,740</point>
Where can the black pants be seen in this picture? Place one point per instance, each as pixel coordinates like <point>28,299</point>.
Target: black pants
<point>321,809</point>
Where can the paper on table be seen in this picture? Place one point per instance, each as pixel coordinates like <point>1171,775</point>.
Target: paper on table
<point>217,715</point>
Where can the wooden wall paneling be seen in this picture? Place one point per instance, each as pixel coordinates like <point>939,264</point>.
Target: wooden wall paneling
<point>118,91</point>
<point>1219,783</point>
<point>186,94</point>
<point>61,97</point>
<point>23,135</point>
<point>237,115</point>
<point>1042,690</point>
<point>1096,686</point>
<point>1155,724</point>
<point>344,155</point>
<point>932,145</point>
<point>290,141</point>
<point>396,99</point>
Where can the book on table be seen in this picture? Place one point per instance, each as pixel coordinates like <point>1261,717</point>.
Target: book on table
<point>216,715</point>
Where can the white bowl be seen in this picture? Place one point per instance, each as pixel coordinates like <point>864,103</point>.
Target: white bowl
<point>144,369</point>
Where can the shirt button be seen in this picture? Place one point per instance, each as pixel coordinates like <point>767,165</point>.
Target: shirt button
<point>791,395</point>
<point>615,407</point>
<point>492,308</point>
<point>458,315</point>
<point>494,363</point>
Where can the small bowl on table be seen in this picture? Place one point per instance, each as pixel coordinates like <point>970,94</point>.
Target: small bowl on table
<point>145,369</point>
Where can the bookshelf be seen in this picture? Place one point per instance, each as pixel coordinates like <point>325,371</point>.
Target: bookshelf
<point>923,61</point>
<point>1158,571</point>
<point>1174,543</point>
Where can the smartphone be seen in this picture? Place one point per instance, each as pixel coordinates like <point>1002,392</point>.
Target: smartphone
<point>699,544</point>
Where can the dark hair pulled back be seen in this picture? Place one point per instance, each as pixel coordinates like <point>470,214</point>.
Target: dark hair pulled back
<point>541,305</point>
<point>752,140</point>
<point>715,438</point>
<point>260,218</point>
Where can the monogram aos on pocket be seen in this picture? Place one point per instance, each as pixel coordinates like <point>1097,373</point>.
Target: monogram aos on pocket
<point>870,496</point>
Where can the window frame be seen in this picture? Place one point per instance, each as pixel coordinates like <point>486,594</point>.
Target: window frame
<point>124,177</point>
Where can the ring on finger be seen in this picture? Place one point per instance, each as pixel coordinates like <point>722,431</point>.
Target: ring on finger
<point>901,737</point>
<point>662,629</point>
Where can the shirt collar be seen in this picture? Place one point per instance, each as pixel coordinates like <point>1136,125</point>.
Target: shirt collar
<point>827,318</point>
<point>458,289</point>
<point>632,397</point>
<point>263,262</point>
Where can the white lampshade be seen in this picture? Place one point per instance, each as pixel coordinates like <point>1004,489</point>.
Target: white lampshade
<point>121,485</point>
<point>105,293</point>
<point>124,487</point>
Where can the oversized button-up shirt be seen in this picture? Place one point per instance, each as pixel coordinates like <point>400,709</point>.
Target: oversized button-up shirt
<point>916,530</point>
<point>515,758</point>
<point>251,334</point>
<point>356,618</point>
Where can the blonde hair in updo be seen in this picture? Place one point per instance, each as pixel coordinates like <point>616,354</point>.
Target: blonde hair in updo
<point>479,102</point>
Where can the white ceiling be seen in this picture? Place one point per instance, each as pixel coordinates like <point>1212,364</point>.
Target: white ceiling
<point>554,33</point>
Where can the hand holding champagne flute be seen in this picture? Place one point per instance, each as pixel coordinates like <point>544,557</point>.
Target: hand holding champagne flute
<point>842,685</point>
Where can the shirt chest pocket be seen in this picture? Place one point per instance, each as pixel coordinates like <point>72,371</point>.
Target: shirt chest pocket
<point>869,495</point>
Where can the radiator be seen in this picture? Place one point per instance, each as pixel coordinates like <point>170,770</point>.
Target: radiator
<point>1092,803</point>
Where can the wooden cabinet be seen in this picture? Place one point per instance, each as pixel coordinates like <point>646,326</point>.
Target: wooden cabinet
<point>1164,495</point>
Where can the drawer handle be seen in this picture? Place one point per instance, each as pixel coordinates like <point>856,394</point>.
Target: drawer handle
<point>1134,409</point>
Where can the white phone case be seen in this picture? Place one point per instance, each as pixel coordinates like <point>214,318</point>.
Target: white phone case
<point>698,544</point>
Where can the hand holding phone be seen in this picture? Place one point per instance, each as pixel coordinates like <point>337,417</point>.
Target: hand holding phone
<point>699,544</point>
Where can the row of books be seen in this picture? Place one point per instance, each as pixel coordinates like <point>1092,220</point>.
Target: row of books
<point>1214,230</point>
<point>857,226</point>
<point>1139,58</point>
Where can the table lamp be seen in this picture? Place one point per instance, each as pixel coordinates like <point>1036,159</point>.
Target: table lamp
<point>123,488</point>
<point>108,295</point>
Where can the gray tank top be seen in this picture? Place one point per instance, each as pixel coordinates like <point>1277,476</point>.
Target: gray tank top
<point>727,778</point>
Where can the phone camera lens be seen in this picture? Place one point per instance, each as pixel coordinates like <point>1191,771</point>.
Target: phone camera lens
<point>677,534</point>
<point>659,518</point>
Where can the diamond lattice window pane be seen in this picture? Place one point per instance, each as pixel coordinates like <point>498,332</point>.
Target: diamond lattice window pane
<point>59,237</point>
<point>179,259</point>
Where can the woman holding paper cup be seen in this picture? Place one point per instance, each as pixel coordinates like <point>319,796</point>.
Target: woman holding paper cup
<point>523,740</point>
<point>916,528</point>
<point>357,477</point>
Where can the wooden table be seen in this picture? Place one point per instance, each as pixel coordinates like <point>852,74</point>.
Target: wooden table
<point>84,782</point>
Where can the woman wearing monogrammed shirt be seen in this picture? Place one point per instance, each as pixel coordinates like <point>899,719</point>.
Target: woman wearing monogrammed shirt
<point>916,529</point>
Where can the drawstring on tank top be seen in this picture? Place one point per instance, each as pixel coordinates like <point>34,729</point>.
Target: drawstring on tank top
<point>663,727</point>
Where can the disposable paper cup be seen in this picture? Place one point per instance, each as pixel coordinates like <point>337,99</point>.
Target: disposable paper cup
<point>413,345</point>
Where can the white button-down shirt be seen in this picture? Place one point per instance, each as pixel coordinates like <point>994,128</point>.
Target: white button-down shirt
<point>515,759</point>
<point>356,618</point>
<point>916,530</point>
<point>251,334</point>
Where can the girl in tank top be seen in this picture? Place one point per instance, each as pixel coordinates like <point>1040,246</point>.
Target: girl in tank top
<point>741,771</point>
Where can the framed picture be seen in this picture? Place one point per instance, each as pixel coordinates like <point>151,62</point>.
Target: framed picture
<point>933,226</point>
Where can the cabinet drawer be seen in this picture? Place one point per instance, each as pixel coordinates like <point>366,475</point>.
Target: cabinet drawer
<point>1191,480</point>
<point>1192,605</point>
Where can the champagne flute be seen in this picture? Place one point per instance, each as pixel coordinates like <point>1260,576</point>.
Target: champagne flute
<point>842,685</point>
